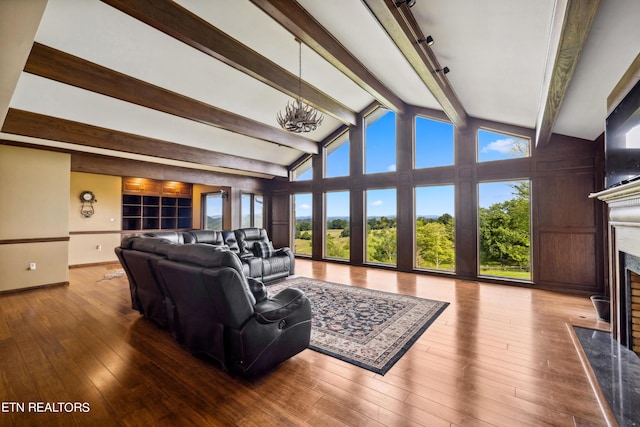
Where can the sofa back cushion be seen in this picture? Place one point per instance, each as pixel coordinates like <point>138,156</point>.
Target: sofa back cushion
<point>208,256</point>
<point>229,237</point>
<point>210,237</point>
<point>177,237</point>
<point>155,245</point>
<point>247,237</point>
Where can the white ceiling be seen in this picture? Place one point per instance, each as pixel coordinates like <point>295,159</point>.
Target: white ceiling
<point>496,51</point>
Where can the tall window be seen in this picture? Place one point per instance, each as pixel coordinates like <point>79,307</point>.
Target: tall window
<point>381,245</point>
<point>434,143</point>
<point>337,162</point>
<point>302,212</point>
<point>336,243</point>
<point>213,211</point>
<point>303,172</point>
<point>251,210</point>
<point>380,141</point>
<point>505,230</point>
<point>435,227</point>
<point>499,146</point>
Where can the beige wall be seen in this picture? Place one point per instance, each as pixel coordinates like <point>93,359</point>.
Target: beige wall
<point>34,208</point>
<point>93,238</point>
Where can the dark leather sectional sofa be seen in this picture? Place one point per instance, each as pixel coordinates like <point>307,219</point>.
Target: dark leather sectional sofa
<point>201,293</point>
<point>244,242</point>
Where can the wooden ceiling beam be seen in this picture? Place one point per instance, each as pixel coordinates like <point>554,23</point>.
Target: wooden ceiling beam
<point>181,24</point>
<point>403,29</point>
<point>56,65</point>
<point>295,19</point>
<point>26,123</point>
<point>575,17</point>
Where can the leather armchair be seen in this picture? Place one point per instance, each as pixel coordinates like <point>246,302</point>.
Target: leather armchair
<point>276,263</point>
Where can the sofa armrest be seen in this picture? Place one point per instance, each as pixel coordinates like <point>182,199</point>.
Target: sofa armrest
<point>279,306</point>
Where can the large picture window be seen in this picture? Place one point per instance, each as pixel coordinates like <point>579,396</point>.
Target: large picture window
<point>382,242</point>
<point>303,215</point>
<point>499,146</point>
<point>251,210</point>
<point>435,228</point>
<point>213,211</point>
<point>380,142</point>
<point>337,217</point>
<point>505,229</point>
<point>434,143</point>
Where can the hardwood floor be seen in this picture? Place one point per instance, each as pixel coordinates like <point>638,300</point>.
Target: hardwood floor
<point>498,355</point>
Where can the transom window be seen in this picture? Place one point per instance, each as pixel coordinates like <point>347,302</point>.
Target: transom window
<point>303,172</point>
<point>337,157</point>
<point>434,143</point>
<point>499,146</point>
<point>380,141</point>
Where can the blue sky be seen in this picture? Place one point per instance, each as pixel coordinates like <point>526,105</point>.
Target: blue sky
<point>434,147</point>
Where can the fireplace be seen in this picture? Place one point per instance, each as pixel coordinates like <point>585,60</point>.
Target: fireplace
<point>624,262</point>
<point>630,276</point>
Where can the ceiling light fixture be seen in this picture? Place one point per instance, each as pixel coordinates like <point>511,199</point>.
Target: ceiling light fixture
<point>409,3</point>
<point>299,116</point>
<point>444,70</point>
<point>429,40</point>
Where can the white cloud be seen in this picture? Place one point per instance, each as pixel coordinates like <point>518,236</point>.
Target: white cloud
<point>504,146</point>
<point>304,206</point>
<point>391,168</point>
<point>377,203</point>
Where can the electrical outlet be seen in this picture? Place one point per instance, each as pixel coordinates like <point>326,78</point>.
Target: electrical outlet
<point>32,266</point>
<point>99,248</point>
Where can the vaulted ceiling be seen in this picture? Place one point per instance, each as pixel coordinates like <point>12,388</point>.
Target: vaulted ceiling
<point>198,83</point>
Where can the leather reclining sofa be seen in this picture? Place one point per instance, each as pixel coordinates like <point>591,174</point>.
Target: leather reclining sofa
<point>259,259</point>
<point>201,294</point>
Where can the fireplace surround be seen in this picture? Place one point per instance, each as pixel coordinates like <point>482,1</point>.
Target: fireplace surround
<point>624,261</point>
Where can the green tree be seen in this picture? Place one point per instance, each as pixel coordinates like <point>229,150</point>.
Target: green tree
<point>382,245</point>
<point>335,249</point>
<point>337,224</point>
<point>435,245</point>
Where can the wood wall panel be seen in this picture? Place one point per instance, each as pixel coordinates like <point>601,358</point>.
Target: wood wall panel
<point>559,255</point>
<point>562,200</point>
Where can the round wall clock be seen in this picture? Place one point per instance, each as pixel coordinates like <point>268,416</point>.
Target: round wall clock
<point>87,196</point>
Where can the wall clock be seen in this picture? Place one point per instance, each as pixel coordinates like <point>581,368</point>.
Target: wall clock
<point>88,199</point>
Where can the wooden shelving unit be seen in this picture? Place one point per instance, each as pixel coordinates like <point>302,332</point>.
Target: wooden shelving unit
<point>156,205</point>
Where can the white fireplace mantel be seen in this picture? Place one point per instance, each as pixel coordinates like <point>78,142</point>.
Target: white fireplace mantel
<point>624,236</point>
<point>624,215</point>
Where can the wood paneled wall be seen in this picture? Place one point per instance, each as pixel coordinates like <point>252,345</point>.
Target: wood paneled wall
<point>567,227</point>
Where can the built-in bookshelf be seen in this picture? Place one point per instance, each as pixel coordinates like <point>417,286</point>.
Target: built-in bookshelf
<point>156,205</point>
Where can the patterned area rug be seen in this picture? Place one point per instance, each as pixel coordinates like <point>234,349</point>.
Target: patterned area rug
<point>368,328</point>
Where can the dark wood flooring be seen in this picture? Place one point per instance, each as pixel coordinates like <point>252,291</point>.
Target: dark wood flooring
<point>497,356</point>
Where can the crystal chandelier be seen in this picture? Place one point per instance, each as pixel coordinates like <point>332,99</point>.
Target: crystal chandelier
<point>299,116</point>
